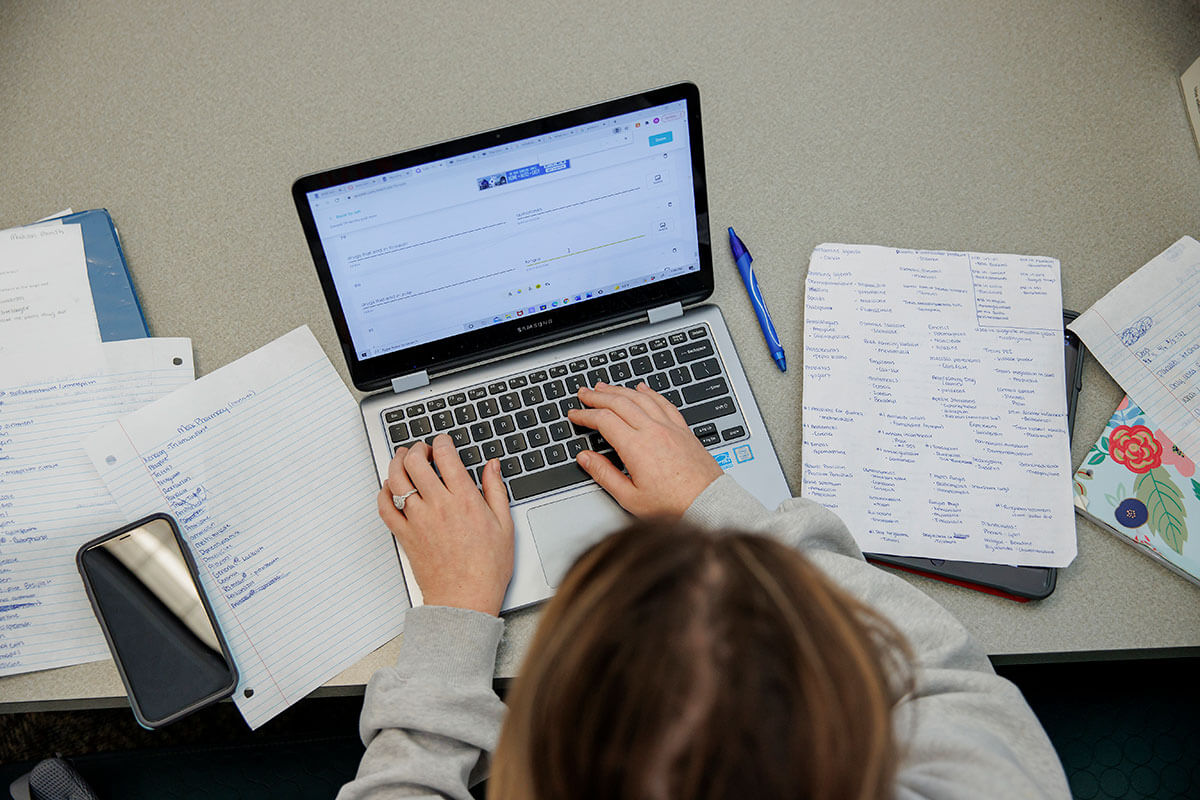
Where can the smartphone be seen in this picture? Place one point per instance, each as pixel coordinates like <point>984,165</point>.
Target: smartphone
<point>144,588</point>
<point>1016,583</point>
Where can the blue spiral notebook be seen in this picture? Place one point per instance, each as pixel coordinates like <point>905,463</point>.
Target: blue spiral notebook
<point>118,311</point>
<point>1137,484</point>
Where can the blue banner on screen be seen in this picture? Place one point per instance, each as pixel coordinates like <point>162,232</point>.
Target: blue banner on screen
<point>522,173</point>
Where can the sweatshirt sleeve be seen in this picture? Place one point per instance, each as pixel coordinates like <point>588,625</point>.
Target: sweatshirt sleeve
<point>964,732</point>
<point>430,722</point>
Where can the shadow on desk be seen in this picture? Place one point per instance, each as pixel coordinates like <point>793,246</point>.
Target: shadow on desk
<point>1123,729</point>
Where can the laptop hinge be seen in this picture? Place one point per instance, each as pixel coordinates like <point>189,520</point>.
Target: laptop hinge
<point>413,380</point>
<point>669,311</point>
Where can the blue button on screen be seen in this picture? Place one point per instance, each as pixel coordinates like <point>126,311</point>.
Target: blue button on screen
<point>661,138</point>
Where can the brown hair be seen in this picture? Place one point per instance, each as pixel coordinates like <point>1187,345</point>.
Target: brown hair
<point>676,663</point>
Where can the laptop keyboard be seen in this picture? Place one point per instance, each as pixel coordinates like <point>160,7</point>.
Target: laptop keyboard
<point>522,419</point>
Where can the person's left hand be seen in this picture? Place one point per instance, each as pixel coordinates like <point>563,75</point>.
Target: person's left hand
<point>459,542</point>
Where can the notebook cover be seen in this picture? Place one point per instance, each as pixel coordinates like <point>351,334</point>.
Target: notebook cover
<point>1136,483</point>
<point>118,311</point>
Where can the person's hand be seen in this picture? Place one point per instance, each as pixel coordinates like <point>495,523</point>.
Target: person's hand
<point>459,542</point>
<point>668,467</point>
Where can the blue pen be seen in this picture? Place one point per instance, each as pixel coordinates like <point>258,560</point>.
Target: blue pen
<point>742,256</point>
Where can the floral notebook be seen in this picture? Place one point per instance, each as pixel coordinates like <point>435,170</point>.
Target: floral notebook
<point>1138,484</point>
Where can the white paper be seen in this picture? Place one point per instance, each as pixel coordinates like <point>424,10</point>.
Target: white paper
<point>1146,333</point>
<point>265,465</point>
<point>935,420</point>
<point>48,324</point>
<point>52,500</point>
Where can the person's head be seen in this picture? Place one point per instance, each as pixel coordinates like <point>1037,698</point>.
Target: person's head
<point>676,663</point>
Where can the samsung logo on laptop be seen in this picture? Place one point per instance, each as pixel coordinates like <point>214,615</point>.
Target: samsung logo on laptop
<point>535,325</point>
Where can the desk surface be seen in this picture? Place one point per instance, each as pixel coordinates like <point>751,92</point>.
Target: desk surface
<point>1052,128</point>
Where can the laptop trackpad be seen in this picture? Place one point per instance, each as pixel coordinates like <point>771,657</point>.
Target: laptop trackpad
<point>563,529</point>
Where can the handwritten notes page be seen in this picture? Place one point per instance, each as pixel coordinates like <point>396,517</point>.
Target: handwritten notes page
<point>265,465</point>
<point>935,420</point>
<point>47,319</point>
<point>1146,333</point>
<point>52,500</point>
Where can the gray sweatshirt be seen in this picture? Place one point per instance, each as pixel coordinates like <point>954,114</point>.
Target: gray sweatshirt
<point>430,722</point>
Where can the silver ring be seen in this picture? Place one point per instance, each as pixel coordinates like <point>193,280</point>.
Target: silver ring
<point>398,500</point>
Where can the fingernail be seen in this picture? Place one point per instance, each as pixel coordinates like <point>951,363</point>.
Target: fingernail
<point>583,457</point>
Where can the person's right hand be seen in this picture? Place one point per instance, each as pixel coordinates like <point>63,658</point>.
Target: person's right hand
<point>668,467</point>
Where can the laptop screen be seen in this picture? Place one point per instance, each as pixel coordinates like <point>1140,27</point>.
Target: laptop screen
<point>512,230</point>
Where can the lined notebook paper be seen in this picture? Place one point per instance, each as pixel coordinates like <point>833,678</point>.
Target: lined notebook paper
<point>265,465</point>
<point>1146,334</point>
<point>52,500</point>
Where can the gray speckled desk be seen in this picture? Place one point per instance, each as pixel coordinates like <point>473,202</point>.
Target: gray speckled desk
<point>1053,128</point>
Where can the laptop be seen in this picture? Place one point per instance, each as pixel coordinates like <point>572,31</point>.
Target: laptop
<point>476,284</point>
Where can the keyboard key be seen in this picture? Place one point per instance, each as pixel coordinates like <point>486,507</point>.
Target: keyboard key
<point>619,372</point>
<point>637,349</point>
<point>481,431</point>
<point>538,437</point>
<point>578,365</point>
<point>577,446</point>
<point>704,390</point>
<point>416,411</point>
<point>680,375</point>
<point>710,440</point>
<point>546,481</point>
<point>526,418</point>
<point>706,369</point>
<point>517,382</point>
<point>499,387</point>
<point>436,404</point>
<point>533,460</point>
<point>548,412</point>
<point>532,396</point>
<point>538,377</point>
<point>476,393</point>
<point>488,407</point>
<point>465,415</point>
<point>556,454</point>
<point>595,376</point>
<point>574,382</point>
<point>460,437</point>
<point>641,365</point>
<point>492,449</point>
<point>663,359</point>
<point>693,350</point>
<point>398,432</point>
<point>515,443</point>
<point>658,344</point>
<point>658,382</point>
<point>393,415</point>
<point>619,354</point>
<point>420,427</point>
<point>673,398</point>
<point>443,420</point>
<point>697,333</point>
<point>558,371</point>
<point>567,403</point>
<point>562,430</point>
<point>510,466</point>
<point>554,390</point>
<point>510,401</point>
<point>470,456</point>
<point>679,337</point>
<point>504,425</point>
<point>733,433</point>
<point>458,398</point>
<point>707,429</point>
<point>598,360</point>
<point>710,410</point>
<point>598,442</point>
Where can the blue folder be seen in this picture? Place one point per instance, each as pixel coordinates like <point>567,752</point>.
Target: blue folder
<point>117,308</point>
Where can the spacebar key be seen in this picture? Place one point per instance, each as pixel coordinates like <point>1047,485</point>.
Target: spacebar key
<point>710,410</point>
<point>523,486</point>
